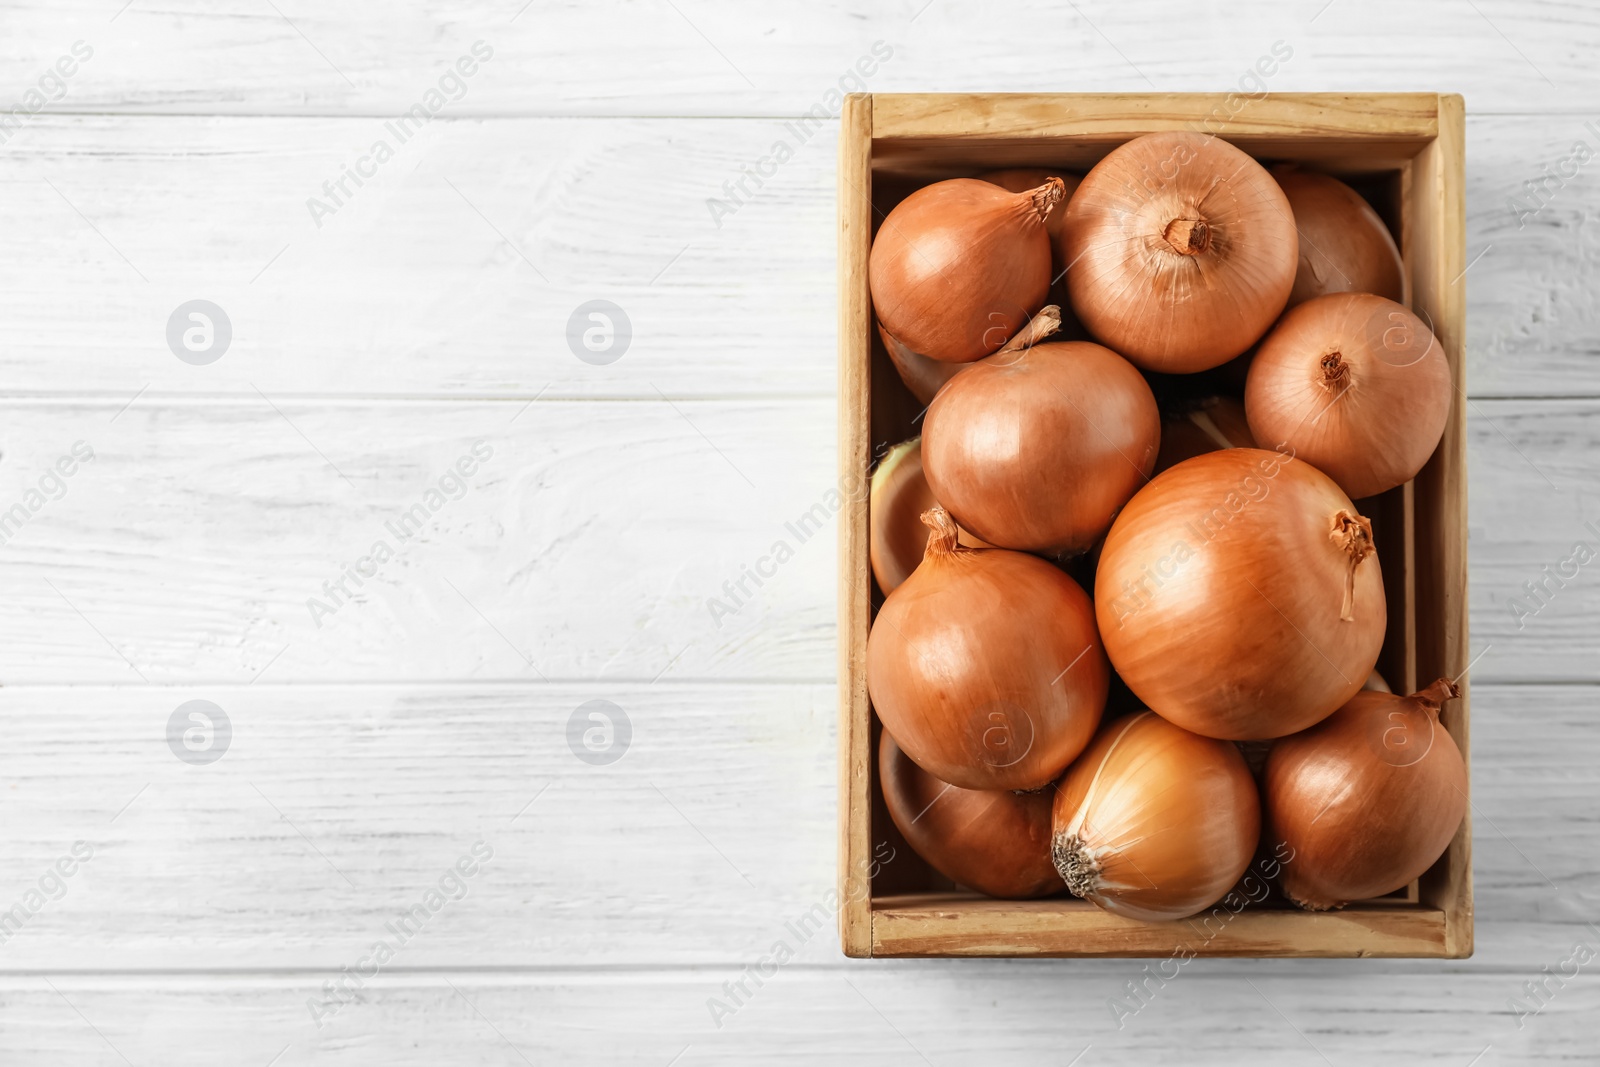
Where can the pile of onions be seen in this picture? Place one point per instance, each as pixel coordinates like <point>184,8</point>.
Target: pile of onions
<point>1248,369</point>
<point>1355,385</point>
<point>1212,423</point>
<point>991,840</point>
<point>1344,245</point>
<point>1367,799</point>
<point>959,266</point>
<point>896,536</point>
<point>1154,822</point>
<point>985,665</point>
<point>1256,566</point>
<point>1182,249</point>
<point>1038,449</point>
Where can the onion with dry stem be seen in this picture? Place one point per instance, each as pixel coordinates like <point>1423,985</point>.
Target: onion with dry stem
<point>1153,822</point>
<point>1037,449</point>
<point>896,537</point>
<point>1367,799</point>
<point>959,266</point>
<point>1355,385</point>
<point>992,840</point>
<point>985,665</point>
<point>1182,250</point>
<point>1239,596</point>
<point>1344,245</point>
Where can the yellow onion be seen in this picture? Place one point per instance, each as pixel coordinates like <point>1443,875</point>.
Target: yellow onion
<point>1344,245</point>
<point>1153,822</point>
<point>959,266</point>
<point>1355,385</point>
<point>895,534</point>
<point>1239,596</point>
<point>1182,251</point>
<point>1212,423</point>
<point>985,665</point>
<point>1367,799</point>
<point>1376,684</point>
<point>992,840</point>
<point>1036,449</point>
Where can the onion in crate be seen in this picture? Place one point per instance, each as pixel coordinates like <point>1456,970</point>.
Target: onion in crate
<point>992,840</point>
<point>1239,595</point>
<point>985,665</point>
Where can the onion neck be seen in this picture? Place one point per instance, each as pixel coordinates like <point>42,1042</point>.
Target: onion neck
<point>943,536</point>
<point>1188,237</point>
<point>1047,196</point>
<point>1335,372</point>
<point>1353,534</point>
<point>1435,695</point>
<point>1042,325</point>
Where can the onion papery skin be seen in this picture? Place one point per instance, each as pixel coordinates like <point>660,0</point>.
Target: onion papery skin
<point>1368,799</point>
<point>1182,250</point>
<point>1344,245</point>
<point>923,376</point>
<point>896,536</point>
<point>985,665</point>
<point>992,840</point>
<point>1215,422</point>
<point>1355,385</point>
<point>1223,589</point>
<point>959,266</point>
<point>1021,180</point>
<point>1036,450</point>
<point>1153,822</point>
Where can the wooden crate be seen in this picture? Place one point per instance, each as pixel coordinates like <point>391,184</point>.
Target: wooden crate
<point>1405,152</point>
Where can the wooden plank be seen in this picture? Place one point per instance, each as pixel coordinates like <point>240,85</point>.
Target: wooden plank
<point>928,133</point>
<point>195,538</point>
<point>965,925</point>
<point>408,292</point>
<point>607,868</point>
<point>855,583</point>
<point>1222,1012</point>
<point>456,271</point>
<point>608,59</point>
<point>1443,644</point>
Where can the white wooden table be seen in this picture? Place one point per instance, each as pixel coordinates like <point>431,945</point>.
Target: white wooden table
<point>377,740</point>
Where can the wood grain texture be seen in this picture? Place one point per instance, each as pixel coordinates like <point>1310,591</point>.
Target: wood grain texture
<point>855,582</point>
<point>447,307</point>
<point>195,538</point>
<point>241,864</point>
<point>707,58</point>
<point>1222,1012</point>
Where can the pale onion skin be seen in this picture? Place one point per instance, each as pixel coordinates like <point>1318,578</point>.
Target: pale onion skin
<point>1368,799</point>
<point>1168,294</point>
<point>960,265</point>
<point>1356,385</point>
<point>985,665</point>
<point>1153,822</point>
<point>1344,245</point>
<point>1216,422</point>
<point>992,840</point>
<point>896,536</point>
<point>1222,591</point>
<point>1037,450</point>
<point>1376,684</point>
